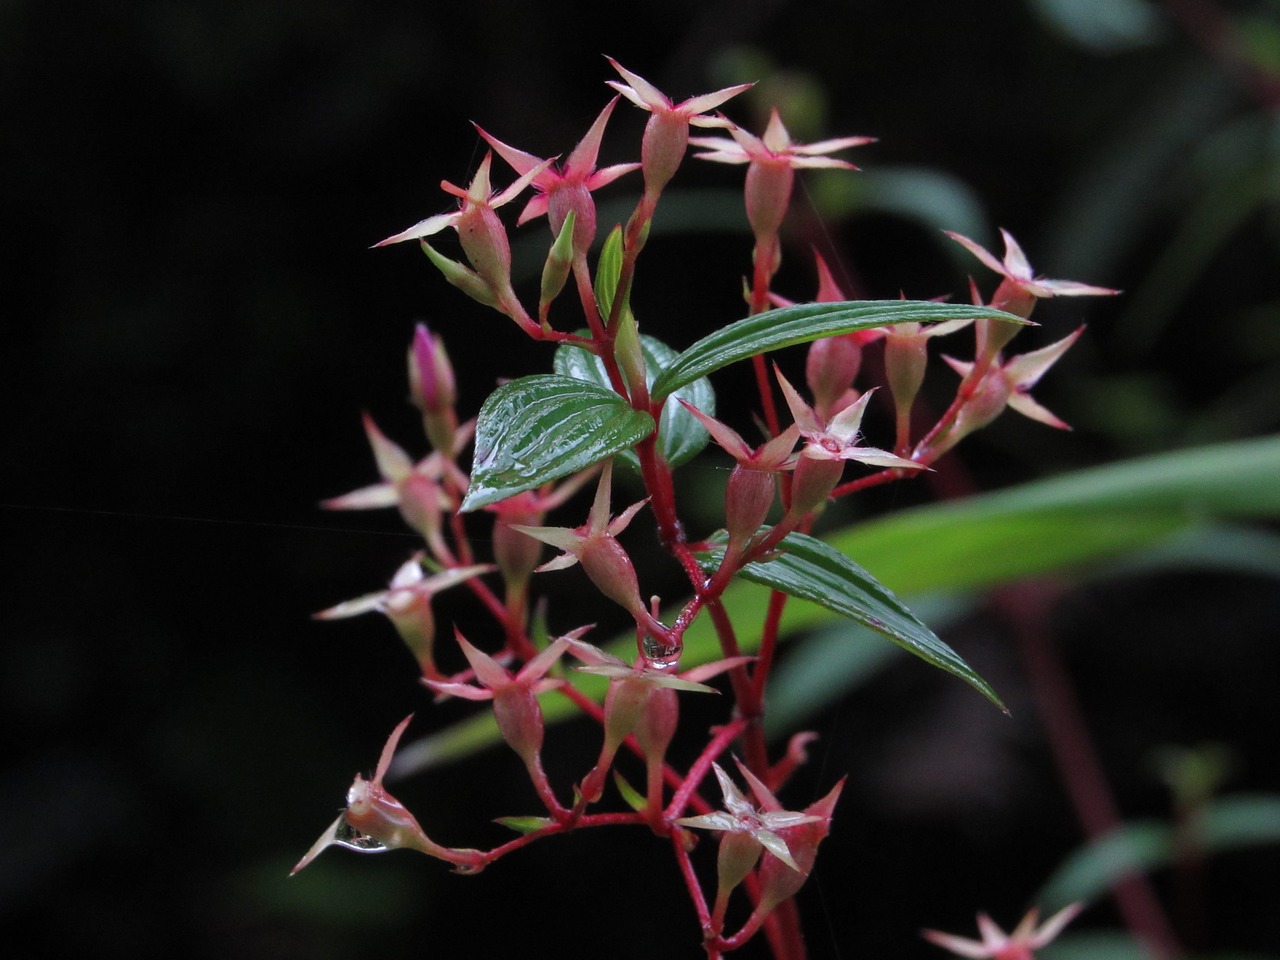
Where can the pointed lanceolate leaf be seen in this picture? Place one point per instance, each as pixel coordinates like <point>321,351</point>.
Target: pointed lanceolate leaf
<point>608,272</point>
<point>537,429</point>
<point>815,571</point>
<point>680,436</point>
<point>804,323</point>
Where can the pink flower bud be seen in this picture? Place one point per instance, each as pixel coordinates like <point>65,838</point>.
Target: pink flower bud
<point>666,136</point>
<point>519,721</point>
<point>830,367</point>
<point>431,379</point>
<point>610,569</point>
<point>812,483</point>
<point>658,720</point>
<point>768,194</point>
<point>780,881</point>
<point>747,499</point>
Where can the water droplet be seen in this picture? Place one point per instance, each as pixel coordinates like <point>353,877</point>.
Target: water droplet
<point>348,836</point>
<point>660,656</point>
<point>467,869</point>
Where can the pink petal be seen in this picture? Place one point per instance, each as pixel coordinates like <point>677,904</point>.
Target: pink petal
<point>1028,407</point>
<point>384,761</point>
<point>709,101</point>
<point>607,175</point>
<point>393,463</point>
<point>520,161</point>
<point>961,946</point>
<point>488,671</point>
<point>801,412</point>
<point>978,251</point>
<point>1015,260</point>
<point>830,146</point>
<point>820,163</point>
<point>583,159</point>
<point>1024,371</point>
<point>423,228</point>
<point>1055,924</point>
<point>646,94</point>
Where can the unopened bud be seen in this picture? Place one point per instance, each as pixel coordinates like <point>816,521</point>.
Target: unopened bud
<point>630,358</point>
<point>462,277</point>
<point>433,389</point>
<point>519,721</point>
<point>610,569</point>
<point>666,135</point>
<point>905,358</point>
<point>747,499</point>
<point>812,483</point>
<point>830,368</point>
<point>778,881</point>
<point>556,270</point>
<point>768,194</point>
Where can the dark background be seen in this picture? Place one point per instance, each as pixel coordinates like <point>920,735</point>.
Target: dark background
<point>194,324</point>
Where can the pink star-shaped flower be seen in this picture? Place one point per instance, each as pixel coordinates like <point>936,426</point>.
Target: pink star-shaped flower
<point>838,438</point>
<point>776,147</point>
<point>666,135</point>
<point>998,945</point>
<point>773,160</point>
<point>1016,269</point>
<point>741,816</point>
<point>567,187</point>
<point>1009,383</point>
<point>476,196</point>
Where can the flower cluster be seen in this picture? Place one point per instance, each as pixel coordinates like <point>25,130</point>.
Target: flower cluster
<point>621,400</point>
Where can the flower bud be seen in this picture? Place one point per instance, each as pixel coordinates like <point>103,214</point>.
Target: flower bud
<point>768,194</point>
<point>747,499</point>
<point>812,483</point>
<point>462,277</point>
<point>666,135</point>
<point>778,881</point>
<point>610,569</point>
<point>516,553</point>
<point>559,261</point>
<point>830,367</point>
<point>519,721</point>
<point>433,388</point>
<point>658,720</point>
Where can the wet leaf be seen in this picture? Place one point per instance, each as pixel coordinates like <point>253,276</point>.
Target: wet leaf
<point>812,570</point>
<point>542,428</point>
<point>803,323</point>
<point>680,436</point>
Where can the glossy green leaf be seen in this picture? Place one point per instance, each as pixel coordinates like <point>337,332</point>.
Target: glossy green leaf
<point>804,323</point>
<point>814,571</point>
<point>542,428</point>
<point>680,435</point>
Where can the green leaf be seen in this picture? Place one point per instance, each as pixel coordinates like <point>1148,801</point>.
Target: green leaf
<point>1142,846</point>
<point>1090,515</point>
<point>541,428</point>
<point>804,323</point>
<point>680,435</point>
<point>526,824</point>
<point>815,571</point>
<point>608,271</point>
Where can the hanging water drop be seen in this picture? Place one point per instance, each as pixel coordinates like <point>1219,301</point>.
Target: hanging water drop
<point>658,655</point>
<point>345,835</point>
